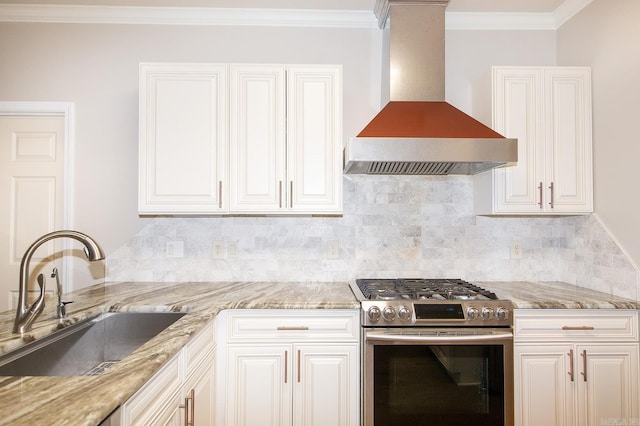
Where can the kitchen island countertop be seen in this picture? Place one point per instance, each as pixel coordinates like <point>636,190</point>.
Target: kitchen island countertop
<point>81,400</point>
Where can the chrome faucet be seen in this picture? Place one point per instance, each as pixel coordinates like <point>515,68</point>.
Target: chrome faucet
<point>25,314</point>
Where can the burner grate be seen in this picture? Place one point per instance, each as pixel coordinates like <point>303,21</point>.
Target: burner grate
<point>422,289</point>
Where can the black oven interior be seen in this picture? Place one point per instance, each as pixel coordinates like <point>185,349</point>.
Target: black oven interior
<point>439,385</point>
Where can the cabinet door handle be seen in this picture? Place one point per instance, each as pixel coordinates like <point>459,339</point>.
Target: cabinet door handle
<point>298,365</point>
<point>570,354</point>
<point>584,364</point>
<point>551,199</point>
<point>219,194</point>
<point>580,328</point>
<point>291,194</point>
<point>540,196</point>
<point>280,195</point>
<point>285,365</point>
<point>189,409</point>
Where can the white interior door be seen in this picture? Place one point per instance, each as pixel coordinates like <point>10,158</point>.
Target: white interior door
<point>32,193</point>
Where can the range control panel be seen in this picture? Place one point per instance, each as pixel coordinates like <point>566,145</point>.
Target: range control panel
<point>493,313</point>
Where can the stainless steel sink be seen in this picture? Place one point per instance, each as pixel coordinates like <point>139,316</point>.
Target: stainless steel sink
<point>87,348</point>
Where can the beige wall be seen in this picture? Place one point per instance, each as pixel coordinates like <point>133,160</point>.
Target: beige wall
<point>96,67</point>
<point>606,36</point>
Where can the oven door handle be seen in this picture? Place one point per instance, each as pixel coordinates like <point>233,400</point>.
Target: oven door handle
<point>436,337</point>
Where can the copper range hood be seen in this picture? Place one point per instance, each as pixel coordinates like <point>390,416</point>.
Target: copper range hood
<point>417,132</point>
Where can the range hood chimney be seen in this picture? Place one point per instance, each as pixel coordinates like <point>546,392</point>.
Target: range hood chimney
<point>417,132</point>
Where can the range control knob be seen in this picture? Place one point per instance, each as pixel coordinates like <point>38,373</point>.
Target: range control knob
<point>374,314</point>
<point>388,313</point>
<point>404,313</point>
<point>502,313</point>
<point>487,313</point>
<point>472,313</point>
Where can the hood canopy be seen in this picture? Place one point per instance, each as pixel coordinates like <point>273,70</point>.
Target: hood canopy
<point>417,132</point>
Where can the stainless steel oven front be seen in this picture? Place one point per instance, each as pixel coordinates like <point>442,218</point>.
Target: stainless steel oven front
<point>438,376</point>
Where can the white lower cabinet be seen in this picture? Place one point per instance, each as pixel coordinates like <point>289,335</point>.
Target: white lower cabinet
<point>293,367</point>
<point>576,367</point>
<point>181,393</point>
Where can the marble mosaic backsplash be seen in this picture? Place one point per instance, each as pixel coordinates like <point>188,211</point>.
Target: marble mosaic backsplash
<point>392,226</point>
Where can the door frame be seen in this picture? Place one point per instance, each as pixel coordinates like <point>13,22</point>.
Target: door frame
<point>67,111</point>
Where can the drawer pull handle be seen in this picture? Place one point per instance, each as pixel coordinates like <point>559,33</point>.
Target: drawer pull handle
<point>292,328</point>
<point>581,328</point>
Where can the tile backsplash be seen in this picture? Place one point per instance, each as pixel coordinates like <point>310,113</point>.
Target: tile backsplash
<point>392,226</point>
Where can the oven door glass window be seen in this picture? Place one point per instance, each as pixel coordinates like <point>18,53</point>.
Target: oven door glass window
<point>439,385</point>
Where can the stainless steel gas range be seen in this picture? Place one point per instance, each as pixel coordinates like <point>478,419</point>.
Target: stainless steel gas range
<point>436,351</point>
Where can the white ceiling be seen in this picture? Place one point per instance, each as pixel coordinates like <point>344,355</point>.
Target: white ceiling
<point>510,6</point>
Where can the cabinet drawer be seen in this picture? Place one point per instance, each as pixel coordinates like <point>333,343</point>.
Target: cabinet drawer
<point>575,325</point>
<point>155,399</point>
<point>291,325</point>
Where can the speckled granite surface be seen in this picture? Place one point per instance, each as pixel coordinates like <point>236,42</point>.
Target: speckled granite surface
<point>88,400</point>
<point>555,295</point>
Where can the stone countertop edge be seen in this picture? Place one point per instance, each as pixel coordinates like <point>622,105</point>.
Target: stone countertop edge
<point>82,400</point>
<point>88,400</point>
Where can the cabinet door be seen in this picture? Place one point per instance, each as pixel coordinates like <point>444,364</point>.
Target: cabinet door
<point>198,393</point>
<point>258,382</point>
<point>543,389</point>
<point>257,138</point>
<point>183,139</point>
<point>608,383</point>
<point>517,98</point>
<point>568,136</point>
<point>314,139</point>
<point>326,385</point>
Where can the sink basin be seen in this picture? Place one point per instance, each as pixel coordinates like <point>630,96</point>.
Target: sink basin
<point>87,348</point>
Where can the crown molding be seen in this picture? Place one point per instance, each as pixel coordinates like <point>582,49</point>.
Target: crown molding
<point>82,14</point>
<point>87,14</point>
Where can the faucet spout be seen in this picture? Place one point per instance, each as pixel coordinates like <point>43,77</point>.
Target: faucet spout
<point>25,314</point>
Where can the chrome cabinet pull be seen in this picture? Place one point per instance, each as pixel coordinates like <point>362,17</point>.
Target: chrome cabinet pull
<point>540,189</point>
<point>285,366</point>
<point>551,188</point>
<point>280,195</point>
<point>584,364</point>
<point>570,354</point>
<point>579,328</point>
<point>219,194</point>
<point>298,365</point>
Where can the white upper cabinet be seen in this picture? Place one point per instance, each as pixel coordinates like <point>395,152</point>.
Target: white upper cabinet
<point>183,139</point>
<point>240,139</point>
<point>548,109</point>
<point>285,139</point>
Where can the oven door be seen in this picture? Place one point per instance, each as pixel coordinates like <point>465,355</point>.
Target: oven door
<point>436,376</point>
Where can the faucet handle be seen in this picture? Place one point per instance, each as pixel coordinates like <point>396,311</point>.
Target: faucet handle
<point>38,305</point>
<point>62,309</point>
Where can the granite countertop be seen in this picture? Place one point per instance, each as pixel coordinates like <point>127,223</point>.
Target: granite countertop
<point>555,295</point>
<point>81,400</point>
<point>88,400</point>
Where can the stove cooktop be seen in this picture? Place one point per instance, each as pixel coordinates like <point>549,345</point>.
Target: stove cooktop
<point>412,302</point>
<point>422,289</point>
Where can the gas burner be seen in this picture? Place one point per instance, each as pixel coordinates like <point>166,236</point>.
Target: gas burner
<point>422,289</point>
